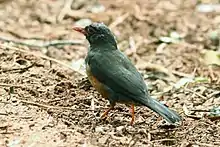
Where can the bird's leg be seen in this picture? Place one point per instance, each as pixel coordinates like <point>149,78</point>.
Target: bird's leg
<point>107,111</point>
<point>132,114</point>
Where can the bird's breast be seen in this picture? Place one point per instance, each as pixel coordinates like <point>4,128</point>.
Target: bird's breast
<point>95,83</point>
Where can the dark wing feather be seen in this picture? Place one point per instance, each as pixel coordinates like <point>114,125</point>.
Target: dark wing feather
<point>116,71</point>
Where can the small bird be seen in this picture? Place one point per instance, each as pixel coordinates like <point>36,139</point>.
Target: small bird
<point>114,76</point>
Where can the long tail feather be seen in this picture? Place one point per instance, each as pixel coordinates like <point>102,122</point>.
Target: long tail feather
<point>162,110</point>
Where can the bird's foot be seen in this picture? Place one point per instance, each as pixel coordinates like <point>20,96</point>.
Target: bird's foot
<point>132,115</point>
<point>105,114</point>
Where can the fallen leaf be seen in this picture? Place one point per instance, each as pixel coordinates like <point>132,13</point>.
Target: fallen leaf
<point>212,57</point>
<point>79,66</point>
<point>201,79</point>
<point>182,82</point>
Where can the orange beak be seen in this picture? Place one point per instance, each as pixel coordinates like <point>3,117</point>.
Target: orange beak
<point>81,30</point>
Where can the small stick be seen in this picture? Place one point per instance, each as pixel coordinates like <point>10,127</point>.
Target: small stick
<point>11,85</point>
<point>15,69</point>
<point>3,46</point>
<point>118,20</point>
<point>41,43</point>
<point>2,113</point>
<point>66,8</point>
<point>186,112</point>
<point>196,93</point>
<point>200,110</point>
<point>165,139</point>
<point>211,73</point>
<point>53,107</point>
<point>205,144</point>
<point>181,74</point>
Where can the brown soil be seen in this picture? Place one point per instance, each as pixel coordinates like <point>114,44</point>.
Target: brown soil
<point>44,103</point>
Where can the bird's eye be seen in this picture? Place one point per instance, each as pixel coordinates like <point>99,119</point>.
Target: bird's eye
<point>90,30</point>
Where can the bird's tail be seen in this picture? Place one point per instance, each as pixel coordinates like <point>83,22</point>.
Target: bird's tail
<point>171,116</point>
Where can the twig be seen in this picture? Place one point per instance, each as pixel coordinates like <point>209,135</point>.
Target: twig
<point>187,113</point>
<point>219,40</point>
<point>2,113</point>
<point>211,73</point>
<point>213,118</point>
<point>200,110</point>
<point>66,8</point>
<point>215,93</point>
<point>181,74</point>
<point>11,85</point>
<point>41,43</point>
<point>99,17</point>
<point>15,69</point>
<point>53,107</point>
<point>3,46</point>
<point>5,126</point>
<point>205,144</point>
<point>139,16</point>
<point>155,67</point>
<point>118,20</point>
<point>195,93</point>
<point>165,139</point>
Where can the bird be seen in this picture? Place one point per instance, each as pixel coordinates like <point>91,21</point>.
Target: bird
<point>115,77</point>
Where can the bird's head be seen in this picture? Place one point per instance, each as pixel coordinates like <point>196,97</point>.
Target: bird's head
<point>98,34</point>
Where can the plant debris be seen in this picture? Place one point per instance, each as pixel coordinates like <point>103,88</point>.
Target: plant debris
<point>46,100</point>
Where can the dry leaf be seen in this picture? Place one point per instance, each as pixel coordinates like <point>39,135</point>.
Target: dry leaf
<point>212,57</point>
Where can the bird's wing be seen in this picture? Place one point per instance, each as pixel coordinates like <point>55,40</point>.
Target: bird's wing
<point>117,72</point>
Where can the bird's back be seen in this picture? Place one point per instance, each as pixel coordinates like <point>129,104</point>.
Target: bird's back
<point>114,69</point>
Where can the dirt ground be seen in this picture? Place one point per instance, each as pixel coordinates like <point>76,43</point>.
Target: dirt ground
<point>43,102</point>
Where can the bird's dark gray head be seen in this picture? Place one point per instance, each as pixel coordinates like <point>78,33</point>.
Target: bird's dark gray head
<point>98,34</point>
